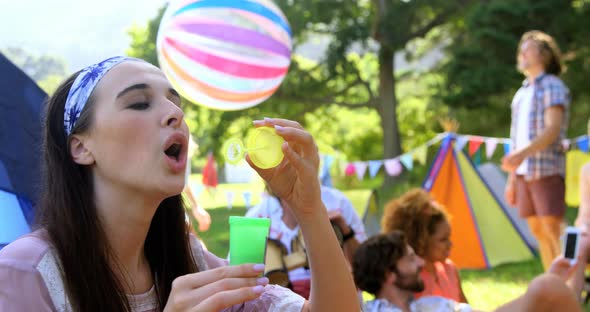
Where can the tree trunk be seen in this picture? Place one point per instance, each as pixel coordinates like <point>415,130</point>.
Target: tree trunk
<point>388,107</point>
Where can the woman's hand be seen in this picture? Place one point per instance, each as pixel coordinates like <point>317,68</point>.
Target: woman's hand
<point>295,180</point>
<point>216,289</point>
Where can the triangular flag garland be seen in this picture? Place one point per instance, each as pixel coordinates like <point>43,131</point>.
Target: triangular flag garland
<point>360,167</point>
<point>474,145</point>
<point>393,167</point>
<point>407,160</point>
<point>477,157</point>
<point>491,144</point>
<point>421,153</point>
<point>461,141</point>
<point>328,160</point>
<point>374,166</point>
<point>247,196</point>
<point>349,171</point>
<point>230,199</point>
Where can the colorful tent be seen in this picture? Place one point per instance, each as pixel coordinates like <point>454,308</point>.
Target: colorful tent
<point>574,161</point>
<point>364,202</point>
<point>495,178</point>
<point>20,140</point>
<point>483,234</point>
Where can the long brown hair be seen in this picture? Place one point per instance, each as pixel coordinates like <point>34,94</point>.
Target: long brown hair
<point>548,50</point>
<point>68,213</point>
<point>417,215</point>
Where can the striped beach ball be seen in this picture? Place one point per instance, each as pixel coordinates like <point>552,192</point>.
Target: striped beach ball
<point>224,54</point>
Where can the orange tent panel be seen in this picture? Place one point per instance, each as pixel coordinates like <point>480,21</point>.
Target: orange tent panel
<point>448,189</point>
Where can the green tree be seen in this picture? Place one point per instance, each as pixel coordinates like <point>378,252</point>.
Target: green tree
<point>37,67</point>
<point>48,71</point>
<point>378,27</point>
<point>383,26</point>
<point>481,76</point>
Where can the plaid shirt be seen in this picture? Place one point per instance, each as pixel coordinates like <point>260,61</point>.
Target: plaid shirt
<point>549,91</point>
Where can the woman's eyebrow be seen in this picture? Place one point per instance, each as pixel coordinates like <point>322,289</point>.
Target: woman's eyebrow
<point>139,86</point>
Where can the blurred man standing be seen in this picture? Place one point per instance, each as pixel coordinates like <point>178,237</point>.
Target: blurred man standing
<point>536,164</point>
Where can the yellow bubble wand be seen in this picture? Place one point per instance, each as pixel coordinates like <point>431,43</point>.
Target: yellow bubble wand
<point>264,146</point>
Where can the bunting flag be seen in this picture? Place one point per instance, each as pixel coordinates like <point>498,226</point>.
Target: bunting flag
<point>360,167</point>
<point>325,176</point>
<point>349,171</point>
<point>421,153</point>
<point>474,144</point>
<point>477,158</point>
<point>407,160</point>
<point>491,144</point>
<point>374,166</point>
<point>507,148</point>
<point>461,141</point>
<point>229,195</point>
<point>582,144</point>
<point>328,161</point>
<point>393,167</point>
<point>247,197</point>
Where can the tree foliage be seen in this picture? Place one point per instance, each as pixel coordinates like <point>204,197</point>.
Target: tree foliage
<point>48,71</point>
<point>355,70</point>
<point>481,76</point>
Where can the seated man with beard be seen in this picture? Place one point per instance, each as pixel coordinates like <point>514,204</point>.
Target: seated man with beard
<point>387,267</point>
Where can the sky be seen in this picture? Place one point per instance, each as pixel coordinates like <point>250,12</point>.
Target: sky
<point>79,31</point>
<point>83,32</point>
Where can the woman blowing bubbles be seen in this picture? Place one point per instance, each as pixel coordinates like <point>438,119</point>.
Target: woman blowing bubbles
<point>112,233</point>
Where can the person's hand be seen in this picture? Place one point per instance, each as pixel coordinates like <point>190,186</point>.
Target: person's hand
<point>216,289</point>
<point>511,161</point>
<point>510,193</point>
<point>203,218</point>
<point>295,179</point>
<point>562,267</point>
<point>583,226</point>
<point>337,218</point>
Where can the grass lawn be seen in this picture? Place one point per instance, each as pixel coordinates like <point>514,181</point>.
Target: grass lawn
<point>217,238</point>
<point>485,289</point>
<point>488,289</point>
<point>218,197</point>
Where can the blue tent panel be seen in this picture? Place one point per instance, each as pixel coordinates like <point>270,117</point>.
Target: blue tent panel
<point>14,223</point>
<point>21,106</point>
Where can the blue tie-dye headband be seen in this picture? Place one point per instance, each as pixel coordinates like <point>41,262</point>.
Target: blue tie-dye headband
<point>83,87</point>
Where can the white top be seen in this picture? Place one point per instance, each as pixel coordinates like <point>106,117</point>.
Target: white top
<point>333,199</point>
<point>524,99</point>
<point>424,304</point>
